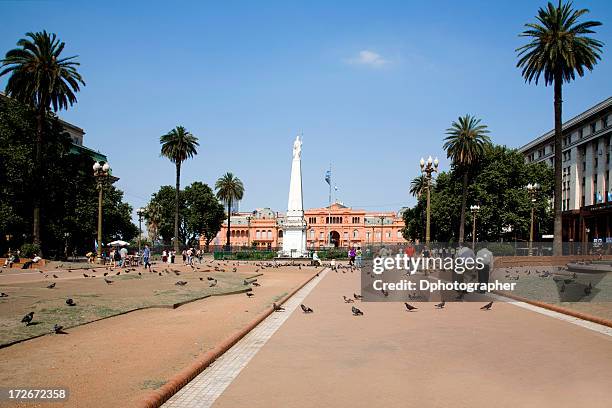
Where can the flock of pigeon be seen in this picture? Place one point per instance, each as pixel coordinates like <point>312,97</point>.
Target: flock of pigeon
<point>221,266</point>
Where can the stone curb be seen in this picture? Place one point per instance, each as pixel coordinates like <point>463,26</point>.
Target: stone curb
<point>558,309</point>
<point>179,380</point>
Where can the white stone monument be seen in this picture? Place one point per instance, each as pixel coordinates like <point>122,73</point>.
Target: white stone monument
<point>294,229</point>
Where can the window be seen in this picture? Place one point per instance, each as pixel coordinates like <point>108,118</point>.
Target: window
<point>367,236</point>
<point>355,234</point>
<point>399,233</point>
<point>258,234</point>
<point>321,236</point>
<point>593,127</point>
<point>312,234</point>
<point>580,133</point>
<point>346,237</point>
<point>605,121</point>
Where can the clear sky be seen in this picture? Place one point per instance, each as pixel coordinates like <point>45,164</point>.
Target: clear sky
<point>372,85</point>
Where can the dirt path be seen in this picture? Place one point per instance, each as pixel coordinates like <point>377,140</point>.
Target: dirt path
<point>114,362</point>
<point>456,357</point>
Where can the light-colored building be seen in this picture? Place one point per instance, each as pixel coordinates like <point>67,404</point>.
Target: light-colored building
<point>587,172</point>
<point>335,226</point>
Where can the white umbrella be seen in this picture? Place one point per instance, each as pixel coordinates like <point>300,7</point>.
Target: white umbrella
<point>119,243</point>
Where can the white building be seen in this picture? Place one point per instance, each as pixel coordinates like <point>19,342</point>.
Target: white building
<point>587,172</point>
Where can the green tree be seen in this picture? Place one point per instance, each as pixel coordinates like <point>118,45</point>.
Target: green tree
<point>418,185</point>
<point>164,203</point>
<point>559,48</point>
<point>42,79</point>
<point>178,145</point>
<point>204,215</point>
<point>69,188</point>
<point>465,144</point>
<point>229,188</point>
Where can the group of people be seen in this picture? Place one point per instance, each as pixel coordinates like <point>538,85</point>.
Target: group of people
<point>14,258</point>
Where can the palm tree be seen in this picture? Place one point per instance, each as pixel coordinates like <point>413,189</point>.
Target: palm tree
<point>418,185</point>
<point>465,144</point>
<point>178,145</point>
<point>43,80</point>
<point>229,188</point>
<point>559,49</point>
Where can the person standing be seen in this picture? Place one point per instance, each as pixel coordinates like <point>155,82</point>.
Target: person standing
<point>146,254</point>
<point>123,252</point>
<point>352,253</point>
<point>359,257</point>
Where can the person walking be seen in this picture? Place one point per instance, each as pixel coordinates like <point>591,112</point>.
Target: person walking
<point>146,254</point>
<point>352,254</point>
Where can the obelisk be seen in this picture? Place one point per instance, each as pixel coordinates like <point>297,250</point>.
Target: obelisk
<point>294,228</point>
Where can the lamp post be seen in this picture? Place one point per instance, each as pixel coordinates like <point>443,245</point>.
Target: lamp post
<point>427,169</point>
<point>140,212</point>
<point>532,189</point>
<point>249,231</point>
<point>474,209</point>
<point>8,237</point>
<point>101,173</point>
<point>382,220</point>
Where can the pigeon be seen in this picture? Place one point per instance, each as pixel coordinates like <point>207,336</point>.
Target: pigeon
<point>277,308</point>
<point>249,294</point>
<point>118,273</point>
<point>347,300</point>
<point>58,329</point>
<point>85,275</point>
<point>51,286</point>
<point>181,283</point>
<point>213,284</point>
<point>256,284</point>
<point>210,278</point>
<point>105,273</point>
<point>160,274</point>
<point>487,306</point>
<point>201,278</point>
<point>306,309</point>
<point>3,294</point>
<point>588,289</point>
<point>409,307</point>
<point>70,302</point>
<point>356,312</point>
<point>27,319</point>
<point>55,276</point>
<point>357,297</point>
<point>245,282</point>
<point>440,305</point>
<point>108,281</point>
<point>385,292</point>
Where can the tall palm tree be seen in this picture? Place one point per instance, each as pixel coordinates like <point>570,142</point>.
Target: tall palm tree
<point>418,185</point>
<point>229,188</point>
<point>43,80</point>
<point>559,48</point>
<point>465,144</point>
<point>178,145</point>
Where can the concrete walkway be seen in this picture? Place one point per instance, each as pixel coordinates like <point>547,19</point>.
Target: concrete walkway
<point>460,357</point>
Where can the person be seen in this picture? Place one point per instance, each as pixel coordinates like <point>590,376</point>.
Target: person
<point>315,259</point>
<point>123,252</point>
<point>352,254</point>
<point>164,256</point>
<point>32,261</point>
<point>184,253</point>
<point>8,262</point>
<point>333,264</point>
<point>146,254</point>
<point>359,257</point>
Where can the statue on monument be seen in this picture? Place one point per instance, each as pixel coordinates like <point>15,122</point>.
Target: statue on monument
<point>297,148</point>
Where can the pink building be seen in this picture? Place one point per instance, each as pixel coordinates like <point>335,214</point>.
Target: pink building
<point>338,226</point>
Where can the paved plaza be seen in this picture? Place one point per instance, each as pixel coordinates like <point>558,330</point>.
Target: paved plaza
<point>514,355</point>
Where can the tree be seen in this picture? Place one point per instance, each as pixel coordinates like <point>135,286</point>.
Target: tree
<point>559,48</point>
<point>499,188</point>
<point>42,79</point>
<point>178,145</point>
<point>229,188</point>
<point>164,203</point>
<point>204,214</point>
<point>465,144</point>
<point>418,185</point>
<point>70,205</point>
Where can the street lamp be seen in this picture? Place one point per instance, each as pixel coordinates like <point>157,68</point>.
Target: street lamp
<point>248,218</point>
<point>9,237</point>
<point>140,212</point>
<point>532,189</point>
<point>382,219</point>
<point>427,169</point>
<point>101,173</point>
<point>474,209</point>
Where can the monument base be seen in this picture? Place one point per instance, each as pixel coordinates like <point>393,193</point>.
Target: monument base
<point>294,243</point>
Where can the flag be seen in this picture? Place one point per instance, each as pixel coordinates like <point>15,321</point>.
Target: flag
<point>328,177</point>
<point>95,245</point>
<point>335,188</point>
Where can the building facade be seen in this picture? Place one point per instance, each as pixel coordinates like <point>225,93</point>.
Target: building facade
<point>587,172</point>
<point>334,226</point>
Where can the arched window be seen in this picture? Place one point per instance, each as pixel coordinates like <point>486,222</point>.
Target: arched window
<point>312,234</point>
<point>355,234</point>
<point>258,234</point>
<point>280,233</point>
<point>269,234</point>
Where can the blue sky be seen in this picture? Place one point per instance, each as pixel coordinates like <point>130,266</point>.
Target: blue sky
<point>372,86</point>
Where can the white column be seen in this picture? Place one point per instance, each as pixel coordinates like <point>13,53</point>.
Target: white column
<point>588,175</point>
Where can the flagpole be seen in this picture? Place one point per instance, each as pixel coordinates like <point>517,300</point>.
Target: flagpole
<point>328,238</point>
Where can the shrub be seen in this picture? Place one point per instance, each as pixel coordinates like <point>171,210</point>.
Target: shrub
<point>29,250</point>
